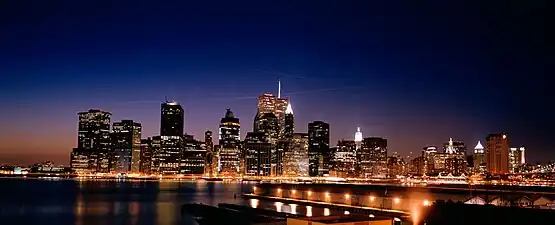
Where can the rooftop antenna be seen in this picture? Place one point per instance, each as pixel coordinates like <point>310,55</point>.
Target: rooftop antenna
<point>279,88</point>
<point>166,97</point>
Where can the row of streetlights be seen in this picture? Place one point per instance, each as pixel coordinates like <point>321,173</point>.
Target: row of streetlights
<point>396,200</point>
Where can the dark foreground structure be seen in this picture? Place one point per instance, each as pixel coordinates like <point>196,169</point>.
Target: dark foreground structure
<point>443,213</point>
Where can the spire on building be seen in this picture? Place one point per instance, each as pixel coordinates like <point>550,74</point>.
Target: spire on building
<point>358,135</point>
<point>450,141</point>
<point>479,146</point>
<point>289,110</point>
<point>279,89</point>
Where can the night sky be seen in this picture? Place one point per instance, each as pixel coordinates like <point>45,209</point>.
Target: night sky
<point>415,72</point>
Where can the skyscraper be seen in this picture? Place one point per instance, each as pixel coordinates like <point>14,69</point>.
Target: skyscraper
<point>126,141</point>
<point>211,160</point>
<point>497,153</point>
<point>344,159</point>
<point>269,103</point>
<point>372,157</point>
<point>172,119</point>
<point>229,144</point>
<point>358,138</point>
<point>516,159</point>
<point>93,142</point>
<point>146,156</point>
<point>318,148</point>
<point>193,158</point>
<point>267,123</point>
<point>479,158</point>
<point>289,122</point>
<point>257,154</point>
<point>295,160</point>
<point>156,156</point>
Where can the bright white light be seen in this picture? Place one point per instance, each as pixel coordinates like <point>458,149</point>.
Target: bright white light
<point>371,216</point>
<point>293,208</point>
<point>326,212</point>
<point>347,213</point>
<point>293,191</point>
<point>426,203</point>
<point>308,211</point>
<point>309,193</point>
<point>278,206</point>
<point>397,219</point>
<point>372,198</point>
<point>347,195</point>
<point>396,200</point>
<point>327,194</point>
<point>254,203</point>
<point>279,190</point>
<point>358,135</point>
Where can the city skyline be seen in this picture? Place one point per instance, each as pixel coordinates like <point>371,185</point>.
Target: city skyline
<point>412,79</point>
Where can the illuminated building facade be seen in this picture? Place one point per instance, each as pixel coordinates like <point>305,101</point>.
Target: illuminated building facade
<point>267,123</point>
<point>211,160</point>
<point>454,147</point>
<point>257,154</point>
<point>146,156</point>
<point>296,158</point>
<point>193,157</point>
<point>229,144</point>
<point>344,159</point>
<point>269,103</point>
<point>372,157</point>
<point>429,153</point>
<point>516,159</point>
<point>93,142</point>
<point>172,121</point>
<point>171,138</point>
<point>156,156</point>
<point>289,123</point>
<point>126,142</point>
<point>169,156</point>
<point>80,161</point>
<point>479,158</point>
<point>497,153</point>
<point>318,148</point>
<point>417,165</point>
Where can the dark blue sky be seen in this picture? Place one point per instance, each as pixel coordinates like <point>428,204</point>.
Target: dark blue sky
<point>415,72</point>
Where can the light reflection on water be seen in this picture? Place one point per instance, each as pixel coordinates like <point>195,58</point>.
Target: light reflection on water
<point>69,202</point>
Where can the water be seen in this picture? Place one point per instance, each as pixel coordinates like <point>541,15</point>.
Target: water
<point>63,202</point>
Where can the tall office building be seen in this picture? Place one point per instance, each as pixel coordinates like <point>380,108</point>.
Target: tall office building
<point>229,144</point>
<point>126,142</point>
<point>193,157</point>
<point>157,157</point>
<point>372,157</point>
<point>257,154</point>
<point>295,159</point>
<point>479,158</point>
<point>172,119</point>
<point>289,122</point>
<point>146,156</point>
<point>497,153</point>
<point>171,138</point>
<point>211,158</point>
<point>269,103</point>
<point>344,159</point>
<point>267,123</point>
<point>318,148</point>
<point>454,147</point>
<point>516,159</point>
<point>358,138</point>
<point>429,154</point>
<point>93,142</point>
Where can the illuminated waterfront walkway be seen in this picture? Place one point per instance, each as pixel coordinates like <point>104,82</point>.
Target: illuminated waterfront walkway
<point>328,204</point>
